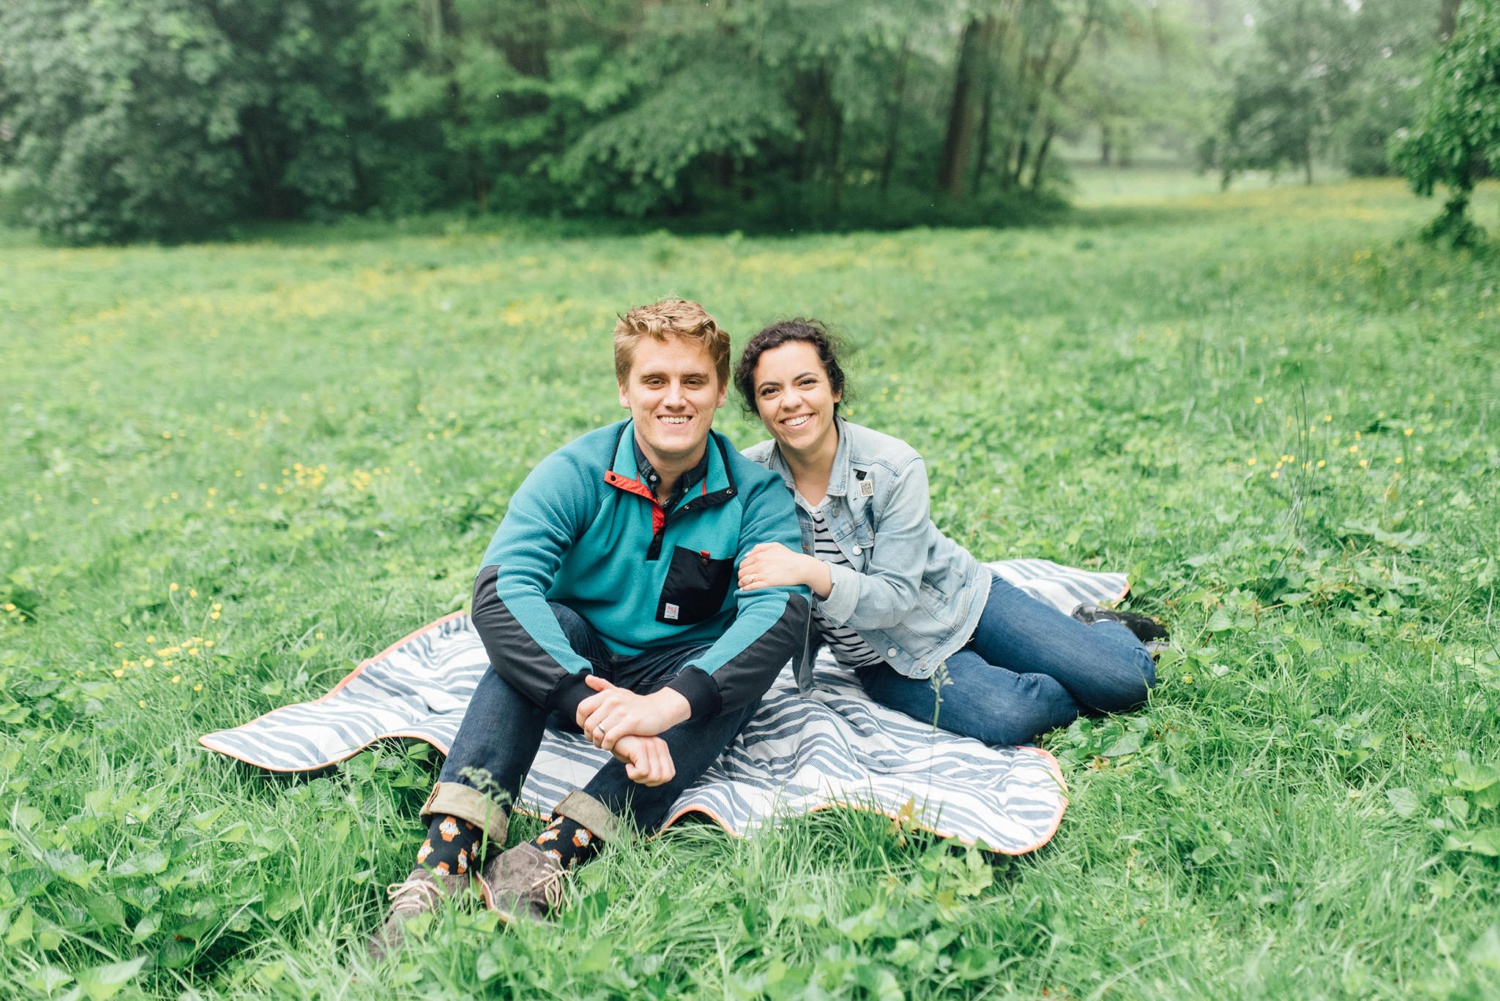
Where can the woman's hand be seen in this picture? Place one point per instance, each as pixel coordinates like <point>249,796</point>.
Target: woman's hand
<point>618,712</point>
<point>771,564</point>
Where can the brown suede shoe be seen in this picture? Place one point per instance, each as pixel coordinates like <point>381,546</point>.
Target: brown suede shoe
<point>421,893</point>
<point>523,883</point>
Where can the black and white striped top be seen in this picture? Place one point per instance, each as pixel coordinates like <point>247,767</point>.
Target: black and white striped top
<point>846,645</point>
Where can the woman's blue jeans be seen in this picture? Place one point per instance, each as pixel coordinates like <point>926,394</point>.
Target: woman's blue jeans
<point>502,731</point>
<point>1027,669</point>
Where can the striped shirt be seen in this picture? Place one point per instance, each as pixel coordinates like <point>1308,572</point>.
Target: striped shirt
<point>846,645</point>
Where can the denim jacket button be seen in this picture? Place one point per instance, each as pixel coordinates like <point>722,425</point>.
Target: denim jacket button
<point>857,550</point>
<point>892,652</point>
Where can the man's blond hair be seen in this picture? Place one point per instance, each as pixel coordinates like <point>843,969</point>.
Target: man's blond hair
<point>670,318</point>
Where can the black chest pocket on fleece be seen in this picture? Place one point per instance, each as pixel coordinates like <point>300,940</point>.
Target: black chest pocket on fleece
<point>695,589</point>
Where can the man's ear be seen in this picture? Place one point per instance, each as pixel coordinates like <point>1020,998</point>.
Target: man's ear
<point>624,400</point>
<point>723,395</point>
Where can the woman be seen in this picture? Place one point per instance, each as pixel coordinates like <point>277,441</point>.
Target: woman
<point>897,599</point>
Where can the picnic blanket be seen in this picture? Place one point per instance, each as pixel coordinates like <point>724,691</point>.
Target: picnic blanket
<point>830,748</point>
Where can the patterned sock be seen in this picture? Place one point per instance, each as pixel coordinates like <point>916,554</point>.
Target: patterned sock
<point>452,846</point>
<point>567,841</point>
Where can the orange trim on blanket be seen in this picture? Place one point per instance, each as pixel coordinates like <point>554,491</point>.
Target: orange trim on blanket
<point>1052,764</point>
<point>1062,806</point>
<point>358,670</point>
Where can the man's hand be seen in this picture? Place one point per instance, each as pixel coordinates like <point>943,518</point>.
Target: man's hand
<point>648,760</point>
<point>619,712</point>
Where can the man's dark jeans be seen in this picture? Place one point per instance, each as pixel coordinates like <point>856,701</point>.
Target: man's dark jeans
<point>503,729</point>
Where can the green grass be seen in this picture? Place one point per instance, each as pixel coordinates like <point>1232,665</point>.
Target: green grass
<point>232,471</point>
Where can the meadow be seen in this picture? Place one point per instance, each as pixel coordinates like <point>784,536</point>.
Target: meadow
<point>232,471</point>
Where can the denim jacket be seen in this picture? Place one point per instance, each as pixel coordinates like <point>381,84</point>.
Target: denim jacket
<point>913,594</point>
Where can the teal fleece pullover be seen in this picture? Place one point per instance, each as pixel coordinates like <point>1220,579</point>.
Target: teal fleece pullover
<point>583,530</point>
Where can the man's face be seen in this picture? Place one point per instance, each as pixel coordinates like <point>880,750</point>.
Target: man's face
<point>672,392</point>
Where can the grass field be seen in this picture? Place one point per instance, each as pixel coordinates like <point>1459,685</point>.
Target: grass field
<point>232,471</point>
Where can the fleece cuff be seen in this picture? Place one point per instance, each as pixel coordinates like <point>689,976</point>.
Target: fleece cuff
<point>700,689</point>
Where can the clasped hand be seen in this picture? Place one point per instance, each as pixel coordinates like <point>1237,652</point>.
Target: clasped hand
<point>627,725</point>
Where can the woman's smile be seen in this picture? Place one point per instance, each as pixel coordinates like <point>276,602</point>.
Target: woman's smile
<point>795,400</point>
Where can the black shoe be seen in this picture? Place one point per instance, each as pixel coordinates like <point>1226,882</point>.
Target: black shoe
<point>1151,633</point>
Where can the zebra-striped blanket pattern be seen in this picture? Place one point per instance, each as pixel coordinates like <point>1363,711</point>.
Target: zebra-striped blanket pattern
<point>832,747</point>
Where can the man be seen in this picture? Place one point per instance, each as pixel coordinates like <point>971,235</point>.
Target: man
<point>606,601</point>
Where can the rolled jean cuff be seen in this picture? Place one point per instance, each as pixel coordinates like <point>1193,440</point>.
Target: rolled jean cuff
<point>467,803</point>
<point>579,807</point>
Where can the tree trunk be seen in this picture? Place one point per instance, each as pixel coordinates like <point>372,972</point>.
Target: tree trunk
<point>893,119</point>
<point>836,159</point>
<point>958,140</point>
<point>1447,19</point>
<point>986,115</point>
<point>1041,155</point>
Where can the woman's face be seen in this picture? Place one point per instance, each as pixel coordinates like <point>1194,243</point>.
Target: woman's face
<point>794,398</point>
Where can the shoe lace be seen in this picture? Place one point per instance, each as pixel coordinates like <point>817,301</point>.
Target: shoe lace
<point>415,893</point>
<point>550,885</point>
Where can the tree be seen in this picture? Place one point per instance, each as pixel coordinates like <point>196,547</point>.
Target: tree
<point>1324,78</point>
<point>167,118</point>
<point>1456,143</point>
<point>1288,97</point>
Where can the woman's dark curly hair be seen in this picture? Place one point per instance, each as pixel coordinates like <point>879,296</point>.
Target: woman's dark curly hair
<point>806,329</point>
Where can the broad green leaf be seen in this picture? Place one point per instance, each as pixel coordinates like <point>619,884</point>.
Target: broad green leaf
<point>1485,951</point>
<point>143,864</point>
<point>1129,743</point>
<point>100,983</point>
<point>74,868</point>
<point>106,909</point>
<point>145,928</point>
<point>599,958</point>
<point>286,902</point>
<point>48,979</point>
<point>487,967</point>
<point>21,928</point>
<point>1403,801</point>
<point>203,821</point>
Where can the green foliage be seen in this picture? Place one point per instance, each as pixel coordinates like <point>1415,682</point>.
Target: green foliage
<point>631,163</point>
<point>1324,78</point>
<point>1457,140</point>
<point>165,119</point>
<point>299,445</point>
<point>106,133</point>
<point>169,120</point>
